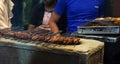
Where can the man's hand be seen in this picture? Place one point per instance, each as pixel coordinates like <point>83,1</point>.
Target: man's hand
<point>45,27</point>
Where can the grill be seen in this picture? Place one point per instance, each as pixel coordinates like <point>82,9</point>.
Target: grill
<point>101,37</point>
<point>99,29</point>
<point>102,29</point>
<point>19,51</point>
<point>107,31</point>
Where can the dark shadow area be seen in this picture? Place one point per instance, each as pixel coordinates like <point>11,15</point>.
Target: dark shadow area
<point>108,8</point>
<point>112,53</point>
<point>17,11</point>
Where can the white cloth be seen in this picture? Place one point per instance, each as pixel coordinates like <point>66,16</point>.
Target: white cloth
<point>6,7</point>
<point>45,23</point>
<point>46,18</point>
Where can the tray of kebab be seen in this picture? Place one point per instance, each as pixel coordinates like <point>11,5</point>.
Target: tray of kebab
<point>104,29</point>
<point>107,25</point>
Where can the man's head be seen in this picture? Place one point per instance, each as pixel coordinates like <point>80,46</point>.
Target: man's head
<point>49,2</point>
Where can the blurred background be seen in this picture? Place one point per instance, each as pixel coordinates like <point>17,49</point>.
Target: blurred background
<point>22,10</point>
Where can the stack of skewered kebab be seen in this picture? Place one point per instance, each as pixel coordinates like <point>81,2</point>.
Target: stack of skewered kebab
<point>42,35</point>
<point>107,21</point>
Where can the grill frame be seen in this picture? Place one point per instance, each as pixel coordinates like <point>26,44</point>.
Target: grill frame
<point>98,29</point>
<point>29,53</point>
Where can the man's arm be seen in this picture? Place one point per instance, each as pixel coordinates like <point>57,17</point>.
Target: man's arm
<point>54,18</point>
<point>58,11</point>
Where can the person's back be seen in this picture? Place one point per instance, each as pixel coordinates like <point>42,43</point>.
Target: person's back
<point>5,13</point>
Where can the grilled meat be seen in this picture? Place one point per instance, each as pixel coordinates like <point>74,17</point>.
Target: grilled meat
<point>41,36</point>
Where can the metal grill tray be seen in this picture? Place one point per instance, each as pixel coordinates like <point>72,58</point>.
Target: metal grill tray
<point>103,38</point>
<point>98,29</point>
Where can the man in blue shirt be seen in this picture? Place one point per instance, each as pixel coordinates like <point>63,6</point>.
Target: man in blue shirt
<point>79,12</point>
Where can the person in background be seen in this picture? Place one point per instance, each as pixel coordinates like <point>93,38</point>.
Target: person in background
<point>6,7</point>
<point>79,13</point>
<point>41,15</point>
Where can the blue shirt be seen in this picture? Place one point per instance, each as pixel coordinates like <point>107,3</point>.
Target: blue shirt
<point>79,12</point>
